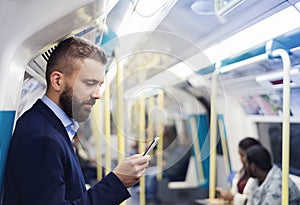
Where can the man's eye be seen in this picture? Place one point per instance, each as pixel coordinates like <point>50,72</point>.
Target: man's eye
<point>90,82</point>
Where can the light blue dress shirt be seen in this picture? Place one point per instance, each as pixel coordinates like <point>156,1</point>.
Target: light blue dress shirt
<point>70,125</point>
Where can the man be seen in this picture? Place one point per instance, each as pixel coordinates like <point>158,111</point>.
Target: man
<point>267,188</point>
<point>42,168</point>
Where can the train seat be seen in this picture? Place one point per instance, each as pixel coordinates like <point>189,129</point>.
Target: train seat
<point>185,192</point>
<point>191,179</point>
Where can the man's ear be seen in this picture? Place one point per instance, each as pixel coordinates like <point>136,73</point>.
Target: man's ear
<point>57,80</point>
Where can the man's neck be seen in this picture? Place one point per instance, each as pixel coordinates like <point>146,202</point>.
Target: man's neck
<point>53,97</point>
<point>262,176</point>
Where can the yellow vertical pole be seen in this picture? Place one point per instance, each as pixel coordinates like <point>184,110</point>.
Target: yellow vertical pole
<point>150,128</point>
<point>95,130</point>
<point>213,137</point>
<point>142,139</point>
<point>224,146</point>
<point>285,124</point>
<point>160,135</point>
<point>120,123</point>
<point>107,127</point>
<point>136,112</point>
<point>197,150</point>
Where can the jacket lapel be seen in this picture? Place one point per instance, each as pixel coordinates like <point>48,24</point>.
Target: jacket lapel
<point>53,119</point>
<point>56,122</point>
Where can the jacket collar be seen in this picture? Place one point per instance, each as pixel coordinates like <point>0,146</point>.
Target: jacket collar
<point>53,119</point>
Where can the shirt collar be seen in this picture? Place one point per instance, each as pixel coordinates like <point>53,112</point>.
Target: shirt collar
<point>70,125</point>
<point>269,176</point>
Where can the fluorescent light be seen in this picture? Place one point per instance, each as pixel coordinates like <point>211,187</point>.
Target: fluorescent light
<point>181,70</point>
<point>297,5</point>
<point>274,76</point>
<point>148,8</point>
<point>269,28</point>
<point>175,74</point>
<point>242,63</point>
<point>216,53</point>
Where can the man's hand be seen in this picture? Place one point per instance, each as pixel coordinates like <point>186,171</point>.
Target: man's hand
<point>130,170</point>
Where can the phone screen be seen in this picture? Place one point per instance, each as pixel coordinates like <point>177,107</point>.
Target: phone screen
<point>152,145</point>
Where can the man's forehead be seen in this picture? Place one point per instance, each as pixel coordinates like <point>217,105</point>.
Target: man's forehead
<point>91,67</point>
<point>92,76</point>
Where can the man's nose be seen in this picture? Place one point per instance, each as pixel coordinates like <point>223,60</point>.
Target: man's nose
<point>96,93</point>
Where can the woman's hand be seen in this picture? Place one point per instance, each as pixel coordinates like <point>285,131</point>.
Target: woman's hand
<point>226,195</point>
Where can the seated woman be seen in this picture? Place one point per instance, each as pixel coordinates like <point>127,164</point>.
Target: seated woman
<point>242,181</point>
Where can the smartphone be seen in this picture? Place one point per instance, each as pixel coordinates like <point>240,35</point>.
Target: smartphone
<point>152,145</point>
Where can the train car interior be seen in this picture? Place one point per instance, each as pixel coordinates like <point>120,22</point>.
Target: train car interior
<point>214,70</point>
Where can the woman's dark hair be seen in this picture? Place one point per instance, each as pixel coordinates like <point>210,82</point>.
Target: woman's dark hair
<point>260,156</point>
<point>248,142</point>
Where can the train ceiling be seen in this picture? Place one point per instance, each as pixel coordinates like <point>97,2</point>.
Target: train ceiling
<point>174,34</point>
<point>181,32</point>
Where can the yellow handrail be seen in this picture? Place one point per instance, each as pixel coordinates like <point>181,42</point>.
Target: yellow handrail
<point>150,128</point>
<point>224,146</point>
<point>160,135</point>
<point>142,139</point>
<point>107,127</point>
<point>95,130</point>
<point>119,120</point>
<point>197,151</point>
<point>213,137</point>
<point>285,124</point>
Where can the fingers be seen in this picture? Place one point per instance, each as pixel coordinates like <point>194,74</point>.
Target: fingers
<point>224,194</point>
<point>219,189</point>
<point>132,168</point>
<point>137,156</point>
<point>139,160</point>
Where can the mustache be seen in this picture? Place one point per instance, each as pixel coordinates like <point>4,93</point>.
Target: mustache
<point>90,102</point>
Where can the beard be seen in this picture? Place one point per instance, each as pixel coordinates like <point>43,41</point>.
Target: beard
<point>73,107</point>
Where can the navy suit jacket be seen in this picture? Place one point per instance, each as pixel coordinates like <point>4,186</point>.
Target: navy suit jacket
<point>42,168</point>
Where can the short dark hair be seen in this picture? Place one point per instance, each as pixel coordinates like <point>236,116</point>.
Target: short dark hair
<point>260,156</point>
<point>248,142</point>
<point>70,51</point>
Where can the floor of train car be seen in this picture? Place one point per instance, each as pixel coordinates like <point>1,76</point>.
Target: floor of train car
<point>134,199</point>
<point>173,203</point>
<point>196,202</point>
<point>128,202</point>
